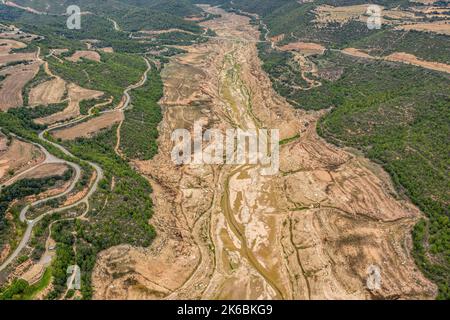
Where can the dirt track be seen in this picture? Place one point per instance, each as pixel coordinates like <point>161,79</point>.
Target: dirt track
<point>317,230</point>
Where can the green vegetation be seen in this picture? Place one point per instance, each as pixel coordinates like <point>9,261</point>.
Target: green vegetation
<point>397,115</point>
<point>140,127</point>
<point>24,188</point>
<point>112,75</point>
<point>289,140</point>
<point>38,79</point>
<point>21,290</point>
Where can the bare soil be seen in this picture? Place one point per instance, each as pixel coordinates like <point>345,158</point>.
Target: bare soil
<point>90,55</point>
<point>442,27</point>
<point>16,78</point>
<point>90,127</point>
<point>76,94</point>
<point>18,157</point>
<point>311,232</point>
<point>412,59</point>
<point>46,170</point>
<point>305,48</point>
<point>48,92</point>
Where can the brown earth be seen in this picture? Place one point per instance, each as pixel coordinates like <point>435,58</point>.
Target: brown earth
<point>91,55</point>
<point>46,170</point>
<point>107,49</point>
<point>442,27</point>
<point>16,78</point>
<point>11,32</point>
<point>76,94</point>
<point>5,251</point>
<point>18,157</point>
<point>90,127</point>
<point>305,48</point>
<point>411,59</point>
<point>425,1</point>
<point>58,52</point>
<point>29,9</point>
<point>313,231</point>
<point>400,57</point>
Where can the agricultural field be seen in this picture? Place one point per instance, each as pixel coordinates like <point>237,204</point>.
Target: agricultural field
<point>388,91</point>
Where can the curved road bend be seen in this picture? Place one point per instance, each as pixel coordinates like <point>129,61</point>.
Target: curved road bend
<point>52,159</point>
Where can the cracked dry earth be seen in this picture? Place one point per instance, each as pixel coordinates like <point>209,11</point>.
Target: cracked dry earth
<point>316,230</point>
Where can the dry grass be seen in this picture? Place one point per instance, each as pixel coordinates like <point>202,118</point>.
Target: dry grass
<point>107,49</point>
<point>18,157</point>
<point>46,170</point>
<point>305,48</point>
